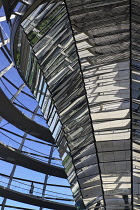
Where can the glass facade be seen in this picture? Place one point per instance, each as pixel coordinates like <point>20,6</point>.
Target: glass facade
<point>80,60</point>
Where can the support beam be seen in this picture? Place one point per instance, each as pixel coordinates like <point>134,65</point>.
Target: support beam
<point>11,155</point>
<point>2,72</point>
<point>10,113</point>
<point>33,200</point>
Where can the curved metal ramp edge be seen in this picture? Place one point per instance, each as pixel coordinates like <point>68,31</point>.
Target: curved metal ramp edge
<point>33,200</point>
<point>10,113</point>
<point>12,155</point>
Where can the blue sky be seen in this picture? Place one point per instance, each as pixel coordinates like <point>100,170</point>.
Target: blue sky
<point>30,103</point>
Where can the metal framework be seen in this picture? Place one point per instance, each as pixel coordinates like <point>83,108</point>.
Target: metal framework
<point>81,60</point>
<point>15,151</point>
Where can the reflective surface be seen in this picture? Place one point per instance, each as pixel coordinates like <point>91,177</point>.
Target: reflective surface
<point>81,62</point>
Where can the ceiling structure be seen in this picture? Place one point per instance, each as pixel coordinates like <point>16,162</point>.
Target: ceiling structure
<point>28,154</point>
<point>80,59</point>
